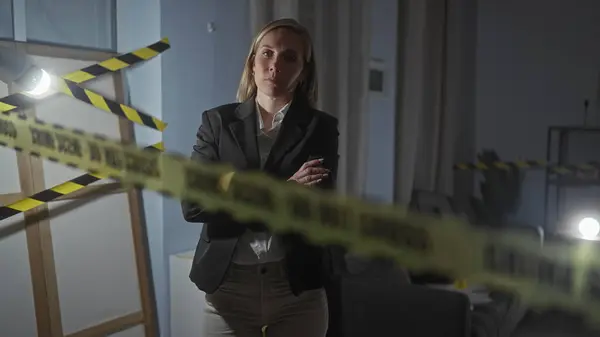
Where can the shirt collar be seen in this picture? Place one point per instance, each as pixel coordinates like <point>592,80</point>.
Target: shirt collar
<point>277,117</point>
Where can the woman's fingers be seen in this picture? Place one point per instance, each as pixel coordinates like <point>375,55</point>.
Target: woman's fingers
<point>311,171</point>
<point>312,163</point>
<point>314,182</point>
<point>312,178</point>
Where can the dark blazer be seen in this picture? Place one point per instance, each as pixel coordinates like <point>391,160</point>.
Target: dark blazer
<point>228,134</point>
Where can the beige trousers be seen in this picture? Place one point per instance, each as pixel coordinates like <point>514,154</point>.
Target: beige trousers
<point>256,301</point>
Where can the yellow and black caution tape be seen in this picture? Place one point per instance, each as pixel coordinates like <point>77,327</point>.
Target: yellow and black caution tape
<point>68,85</point>
<point>15,101</point>
<point>559,274</point>
<point>85,95</point>
<point>22,101</point>
<point>55,192</point>
<point>118,63</point>
<point>529,165</point>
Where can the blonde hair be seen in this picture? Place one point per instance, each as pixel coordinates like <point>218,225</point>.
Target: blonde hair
<point>307,88</point>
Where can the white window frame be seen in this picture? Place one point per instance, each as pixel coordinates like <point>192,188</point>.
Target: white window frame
<point>19,13</point>
<point>19,22</point>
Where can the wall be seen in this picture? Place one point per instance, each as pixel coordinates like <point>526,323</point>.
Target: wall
<point>537,61</point>
<point>382,107</point>
<point>138,25</point>
<point>200,72</point>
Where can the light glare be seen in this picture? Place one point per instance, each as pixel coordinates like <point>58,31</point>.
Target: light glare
<point>42,86</point>
<point>589,228</point>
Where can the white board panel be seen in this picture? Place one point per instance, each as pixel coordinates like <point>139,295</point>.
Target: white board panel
<point>9,179</point>
<point>73,113</point>
<point>136,331</point>
<point>17,310</point>
<point>95,262</point>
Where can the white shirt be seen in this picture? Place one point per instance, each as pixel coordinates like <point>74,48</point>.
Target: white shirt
<point>262,247</point>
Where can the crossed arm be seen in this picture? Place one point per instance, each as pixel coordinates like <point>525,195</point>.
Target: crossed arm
<point>205,151</point>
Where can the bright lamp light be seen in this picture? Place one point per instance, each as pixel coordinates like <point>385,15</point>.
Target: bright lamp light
<point>18,67</point>
<point>589,228</point>
<point>40,83</point>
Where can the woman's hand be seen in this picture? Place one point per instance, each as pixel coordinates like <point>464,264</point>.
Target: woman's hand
<point>310,173</point>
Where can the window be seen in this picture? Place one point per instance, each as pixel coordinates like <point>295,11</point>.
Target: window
<point>88,23</point>
<point>6,20</point>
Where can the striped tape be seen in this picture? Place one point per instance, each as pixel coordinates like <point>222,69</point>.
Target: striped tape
<point>56,192</point>
<point>118,62</point>
<point>16,101</point>
<point>68,85</point>
<point>24,101</point>
<point>529,165</point>
<point>71,88</point>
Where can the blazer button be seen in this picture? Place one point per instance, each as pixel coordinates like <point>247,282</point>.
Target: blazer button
<point>263,270</point>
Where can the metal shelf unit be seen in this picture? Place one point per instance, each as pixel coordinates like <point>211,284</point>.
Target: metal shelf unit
<point>559,136</point>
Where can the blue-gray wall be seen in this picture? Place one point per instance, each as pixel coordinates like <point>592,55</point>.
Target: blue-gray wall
<point>201,71</point>
<point>382,108</point>
<point>537,61</point>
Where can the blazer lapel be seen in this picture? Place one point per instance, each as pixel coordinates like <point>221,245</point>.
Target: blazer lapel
<point>293,130</point>
<point>244,131</point>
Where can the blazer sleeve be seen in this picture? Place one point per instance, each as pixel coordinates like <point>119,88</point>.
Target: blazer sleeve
<point>205,151</point>
<point>334,255</point>
<point>331,154</point>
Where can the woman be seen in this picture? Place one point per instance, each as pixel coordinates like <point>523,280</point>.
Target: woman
<point>253,279</point>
